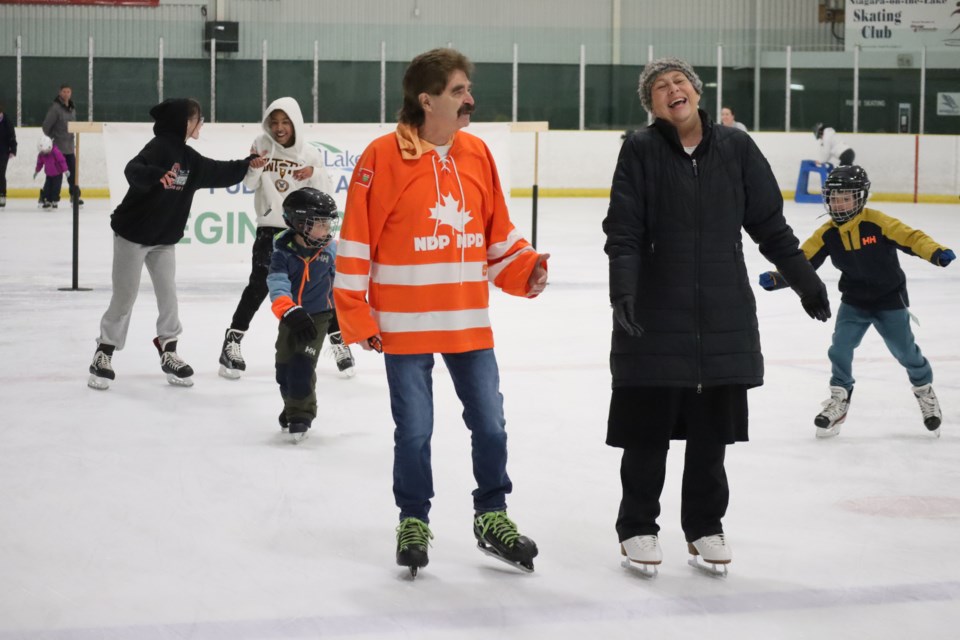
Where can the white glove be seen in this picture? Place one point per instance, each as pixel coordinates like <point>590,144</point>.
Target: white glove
<point>66,174</point>
<point>35,174</point>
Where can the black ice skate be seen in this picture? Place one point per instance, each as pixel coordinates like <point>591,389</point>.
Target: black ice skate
<point>231,361</point>
<point>101,369</point>
<point>929,407</point>
<point>341,353</point>
<point>413,538</point>
<point>298,429</point>
<point>497,536</point>
<point>179,373</point>
<point>710,554</point>
<point>834,412</point>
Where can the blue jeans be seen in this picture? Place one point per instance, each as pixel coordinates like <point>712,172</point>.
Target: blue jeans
<point>476,379</point>
<point>893,325</point>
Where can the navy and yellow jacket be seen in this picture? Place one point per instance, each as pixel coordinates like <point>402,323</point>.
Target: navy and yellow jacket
<point>864,249</point>
<point>300,276</point>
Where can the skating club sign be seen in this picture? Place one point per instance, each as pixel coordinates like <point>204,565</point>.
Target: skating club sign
<point>902,24</point>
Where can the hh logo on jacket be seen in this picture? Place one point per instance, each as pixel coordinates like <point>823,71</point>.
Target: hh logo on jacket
<point>448,212</point>
<point>869,240</point>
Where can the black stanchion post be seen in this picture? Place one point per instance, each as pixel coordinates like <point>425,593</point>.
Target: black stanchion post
<point>75,202</point>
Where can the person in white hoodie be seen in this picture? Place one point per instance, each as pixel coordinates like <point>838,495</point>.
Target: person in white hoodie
<point>833,150</point>
<point>292,163</point>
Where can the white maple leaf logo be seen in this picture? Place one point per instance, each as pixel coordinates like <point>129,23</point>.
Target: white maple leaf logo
<point>447,212</point>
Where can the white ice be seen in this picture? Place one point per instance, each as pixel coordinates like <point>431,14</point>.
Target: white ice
<point>154,512</point>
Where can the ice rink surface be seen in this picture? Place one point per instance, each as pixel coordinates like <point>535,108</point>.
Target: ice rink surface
<point>155,512</point>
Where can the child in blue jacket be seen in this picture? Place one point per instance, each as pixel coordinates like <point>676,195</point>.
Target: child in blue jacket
<point>862,243</point>
<point>300,282</point>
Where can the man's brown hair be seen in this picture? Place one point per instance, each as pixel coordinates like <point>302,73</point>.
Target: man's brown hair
<point>429,73</point>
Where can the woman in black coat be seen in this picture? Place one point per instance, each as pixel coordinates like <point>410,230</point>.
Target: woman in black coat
<point>685,345</point>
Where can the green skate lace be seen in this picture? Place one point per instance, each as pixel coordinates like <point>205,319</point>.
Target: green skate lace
<point>412,531</point>
<point>503,527</point>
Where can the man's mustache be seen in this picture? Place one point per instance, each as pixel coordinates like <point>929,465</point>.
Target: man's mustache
<point>466,109</point>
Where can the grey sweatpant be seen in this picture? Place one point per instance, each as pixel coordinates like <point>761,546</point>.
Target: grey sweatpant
<point>128,260</point>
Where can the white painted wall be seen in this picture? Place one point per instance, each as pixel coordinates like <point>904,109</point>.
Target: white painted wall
<point>585,160</point>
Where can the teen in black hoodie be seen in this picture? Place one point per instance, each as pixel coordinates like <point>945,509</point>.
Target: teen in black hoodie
<point>147,225</point>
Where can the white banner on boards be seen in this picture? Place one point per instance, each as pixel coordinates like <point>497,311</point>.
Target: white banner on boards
<point>226,216</point>
<point>902,24</point>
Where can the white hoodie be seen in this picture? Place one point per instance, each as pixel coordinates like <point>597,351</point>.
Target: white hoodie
<point>274,181</point>
<point>831,147</point>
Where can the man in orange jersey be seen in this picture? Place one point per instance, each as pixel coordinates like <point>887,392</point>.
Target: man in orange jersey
<point>426,227</point>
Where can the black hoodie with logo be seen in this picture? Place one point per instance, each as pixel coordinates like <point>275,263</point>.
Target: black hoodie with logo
<point>152,214</point>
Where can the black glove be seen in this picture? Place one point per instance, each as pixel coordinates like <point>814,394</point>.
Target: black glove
<point>300,324</point>
<point>817,305</point>
<point>804,280</point>
<point>624,315</point>
<point>624,276</point>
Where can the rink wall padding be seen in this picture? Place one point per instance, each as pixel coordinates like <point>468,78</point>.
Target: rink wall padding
<point>571,163</point>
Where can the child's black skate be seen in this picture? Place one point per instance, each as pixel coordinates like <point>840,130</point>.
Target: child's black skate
<point>497,536</point>
<point>413,538</point>
<point>298,428</point>
<point>232,364</point>
<point>179,373</point>
<point>341,353</point>
<point>101,369</point>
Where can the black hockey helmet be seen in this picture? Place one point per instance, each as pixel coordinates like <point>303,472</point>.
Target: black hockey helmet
<point>312,214</point>
<point>845,192</point>
<point>818,130</point>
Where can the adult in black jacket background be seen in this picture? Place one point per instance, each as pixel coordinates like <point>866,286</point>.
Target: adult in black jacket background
<point>148,224</point>
<point>685,345</point>
<point>8,149</point>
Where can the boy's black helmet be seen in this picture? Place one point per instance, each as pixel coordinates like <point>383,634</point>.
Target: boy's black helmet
<point>305,208</point>
<point>850,179</point>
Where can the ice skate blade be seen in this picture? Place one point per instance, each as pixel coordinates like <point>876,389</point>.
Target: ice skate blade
<point>230,374</point>
<point>645,569</point>
<point>516,565</point>
<point>297,438</point>
<point>98,383</point>
<point>179,382</point>
<point>348,373</point>
<point>713,569</point>
<point>828,432</point>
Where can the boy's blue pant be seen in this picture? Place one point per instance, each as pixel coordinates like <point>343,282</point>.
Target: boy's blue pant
<point>476,379</point>
<point>893,325</point>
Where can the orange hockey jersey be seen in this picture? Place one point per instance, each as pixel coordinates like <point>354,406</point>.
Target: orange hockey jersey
<point>421,237</point>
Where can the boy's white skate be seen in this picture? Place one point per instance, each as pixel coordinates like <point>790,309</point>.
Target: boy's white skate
<point>929,407</point>
<point>834,413</point>
<point>641,554</point>
<point>711,554</point>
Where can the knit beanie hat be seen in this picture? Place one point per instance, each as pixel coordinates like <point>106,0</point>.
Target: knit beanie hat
<point>656,67</point>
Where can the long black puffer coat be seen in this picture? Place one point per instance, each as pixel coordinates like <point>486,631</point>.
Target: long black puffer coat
<point>674,222</point>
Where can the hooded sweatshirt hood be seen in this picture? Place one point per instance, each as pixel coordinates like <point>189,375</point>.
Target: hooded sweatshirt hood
<point>292,109</point>
<point>171,118</point>
<point>276,180</point>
